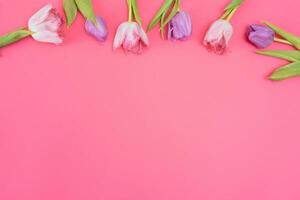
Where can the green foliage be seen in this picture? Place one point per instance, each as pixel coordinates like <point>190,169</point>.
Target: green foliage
<point>14,37</point>
<point>70,9</point>
<point>289,55</point>
<point>161,12</point>
<point>287,71</point>
<point>86,9</point>
<point>288,36</point>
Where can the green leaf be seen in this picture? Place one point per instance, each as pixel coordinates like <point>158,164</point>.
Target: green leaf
<point>162,20</point>
<point>136,12</point>
<point>70,9</point>
<point>288,71</point>
<point>234,4</point>
<point>290,55</point>
<point>173,12</point>
<point>288,36</point>
<point>230,9</point>
<point>158,15</point>
<point>86,9</point>
<point>14,37</point>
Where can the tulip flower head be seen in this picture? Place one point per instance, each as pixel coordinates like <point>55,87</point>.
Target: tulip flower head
<point>98,30</point>
<point>261,36</point>
<point>180,26</point>
<point>46,25</point>
<point>130,35</point>
<point>218,36</point>
<point>220,32</point>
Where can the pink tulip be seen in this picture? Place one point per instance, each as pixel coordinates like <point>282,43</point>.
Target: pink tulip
<point>218,36</point>
<point>46,25</point>
<point>131,36</point>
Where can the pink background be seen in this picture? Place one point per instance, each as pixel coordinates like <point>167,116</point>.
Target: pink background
<point>80,122</point>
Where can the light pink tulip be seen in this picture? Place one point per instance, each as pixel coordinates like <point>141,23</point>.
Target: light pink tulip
<point>46,25</point>
<point>218,36</point>
<point>131,36</point>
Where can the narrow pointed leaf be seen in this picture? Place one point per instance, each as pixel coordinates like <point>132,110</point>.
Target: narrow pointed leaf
<point>288,71</point>
<point>136,12</point>
<point>288,36</point>
<point>14,37</point>
<point>173,12</point>
<point>86,9</point>
<point>162,20</point>
<point>233,4</point>
<point>290,55</point>
<point>157,17</point>
<point>70,9</point>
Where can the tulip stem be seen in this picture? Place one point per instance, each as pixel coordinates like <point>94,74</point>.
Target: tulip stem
<point>14,37</point>
<point>231,14</point>
<point>129,2</point>
<point>283,41</point>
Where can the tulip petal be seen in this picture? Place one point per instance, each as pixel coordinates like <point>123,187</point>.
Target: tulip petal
<point>120,35</point>
<point>39,17</point>
<point>257,27</point>
<point>98,31</point>
<point>261,36</point>
<point>218,36</point>
<point>219,29</point>
<point>132,39</point>
<point>260,39</point>
<point>48,37</point>
<point>180,27</point>
<point>143,35</point>
<point>52,23</point>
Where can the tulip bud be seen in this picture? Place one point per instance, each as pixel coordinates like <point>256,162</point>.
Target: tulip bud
<point>46,25</point>
<point>98,30</point>
<point>131,36</point>
<point>218,36</point>
<point>261,36</point>
<point>180,27</point>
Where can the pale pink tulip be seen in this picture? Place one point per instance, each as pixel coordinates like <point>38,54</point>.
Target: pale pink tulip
<point>218,36</point>
<point>131,36</point>
<point>46,25</point>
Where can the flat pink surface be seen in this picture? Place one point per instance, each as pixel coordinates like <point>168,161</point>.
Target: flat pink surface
<point>80,122</point>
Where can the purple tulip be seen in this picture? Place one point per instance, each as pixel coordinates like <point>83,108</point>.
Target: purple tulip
<point>180,27</point>
<point>98,31</point>
<point>261,36</point>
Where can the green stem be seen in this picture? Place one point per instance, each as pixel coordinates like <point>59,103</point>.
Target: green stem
<point>283,41</point>
<point>130,15</point>
<point>231,14</point>
<point>178,9</point>
<point>14,37</point>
